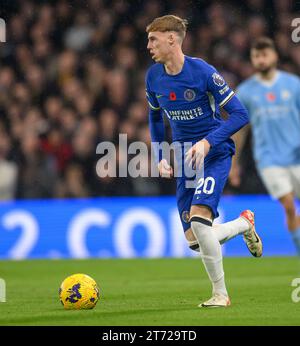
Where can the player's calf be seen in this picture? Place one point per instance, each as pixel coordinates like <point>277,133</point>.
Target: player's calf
<point>293,220</point>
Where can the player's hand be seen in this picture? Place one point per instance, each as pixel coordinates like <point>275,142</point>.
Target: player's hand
<point>165,170</point>
<point>235,175</point>
<point>197,153</point>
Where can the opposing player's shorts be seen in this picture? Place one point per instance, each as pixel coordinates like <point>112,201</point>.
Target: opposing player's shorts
<point>207,190</point>
<point>279,181</point>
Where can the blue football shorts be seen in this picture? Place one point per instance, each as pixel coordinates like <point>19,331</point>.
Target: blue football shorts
<point>207,189</point>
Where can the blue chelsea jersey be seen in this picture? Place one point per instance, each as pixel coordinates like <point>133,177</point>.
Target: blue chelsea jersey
<point>274,111</point>
<point>191,99</point>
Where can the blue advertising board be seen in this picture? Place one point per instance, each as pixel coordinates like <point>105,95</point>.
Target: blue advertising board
<point>125,227</point>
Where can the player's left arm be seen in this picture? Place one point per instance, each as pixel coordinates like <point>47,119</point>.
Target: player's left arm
<point>237,113</point>
<point>238,117</point>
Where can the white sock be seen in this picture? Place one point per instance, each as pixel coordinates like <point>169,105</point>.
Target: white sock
<point>229,230</point>
<point>219,287</point>
<point>225,231</point>
<point>211,253</point>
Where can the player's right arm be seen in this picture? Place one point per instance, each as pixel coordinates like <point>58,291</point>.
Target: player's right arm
<point>157,131</point>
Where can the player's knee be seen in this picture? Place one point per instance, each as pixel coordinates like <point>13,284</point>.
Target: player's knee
<point>189,235</point>
<point>202,211</point>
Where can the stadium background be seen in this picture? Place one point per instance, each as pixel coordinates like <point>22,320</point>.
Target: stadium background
<point>72,75</point>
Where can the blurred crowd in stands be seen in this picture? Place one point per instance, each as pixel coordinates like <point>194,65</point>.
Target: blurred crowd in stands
<point>72,75</point>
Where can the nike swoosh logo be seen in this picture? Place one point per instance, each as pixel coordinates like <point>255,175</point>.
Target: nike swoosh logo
<point>158,96</point>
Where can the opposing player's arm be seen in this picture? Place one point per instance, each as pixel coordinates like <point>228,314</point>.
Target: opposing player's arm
<point>225,97</point>
<point>298,94</point>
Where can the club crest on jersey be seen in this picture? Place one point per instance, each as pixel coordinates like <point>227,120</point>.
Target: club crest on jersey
<point>285,95</point>
<point>189,94</point>
<point>218,80</point>
<point>185,216</point>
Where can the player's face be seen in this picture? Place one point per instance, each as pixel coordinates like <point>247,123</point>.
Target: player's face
<point>263,60</point>
<point>159,46</point>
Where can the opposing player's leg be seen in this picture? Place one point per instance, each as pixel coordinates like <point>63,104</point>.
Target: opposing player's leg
<point>293,223</point>
<point>295,175</point>
<point>283,183</point>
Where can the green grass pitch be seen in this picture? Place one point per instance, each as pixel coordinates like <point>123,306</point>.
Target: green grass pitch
<point>152,292</point>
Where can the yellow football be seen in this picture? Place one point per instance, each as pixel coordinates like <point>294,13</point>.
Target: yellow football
<point>79,291</point>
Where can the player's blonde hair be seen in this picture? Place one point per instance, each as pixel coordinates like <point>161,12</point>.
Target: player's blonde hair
<point>169,23</point>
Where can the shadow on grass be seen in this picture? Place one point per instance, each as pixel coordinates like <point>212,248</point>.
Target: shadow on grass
<point>88,316</point>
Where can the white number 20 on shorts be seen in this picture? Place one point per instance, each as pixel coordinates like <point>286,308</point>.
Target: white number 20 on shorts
<point>206,185</point>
